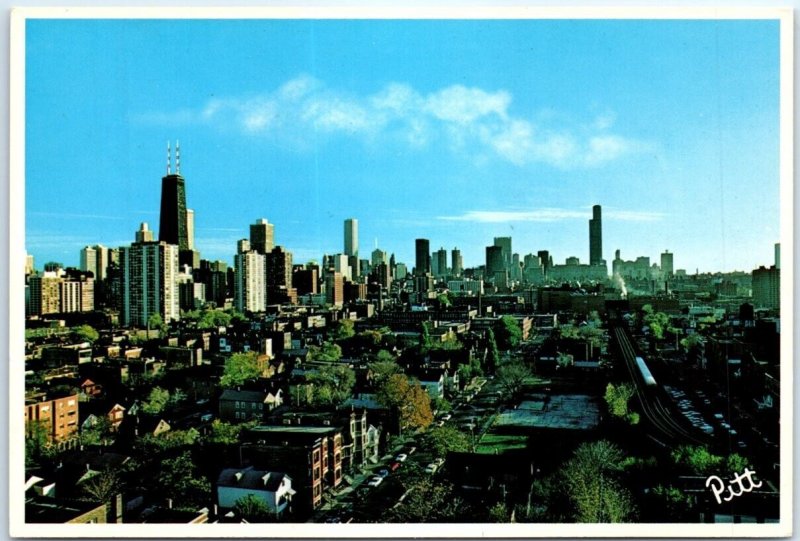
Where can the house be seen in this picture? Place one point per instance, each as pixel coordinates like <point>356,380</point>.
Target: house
<point>432,380</point>
<point>236,405</point>
<point>90,389</point>
<point>47,510</point>
<point>273,488</point>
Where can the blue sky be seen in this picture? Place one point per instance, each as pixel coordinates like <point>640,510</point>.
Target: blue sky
<point>455,131</point>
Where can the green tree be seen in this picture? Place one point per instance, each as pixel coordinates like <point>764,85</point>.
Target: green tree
<point>444,300</point>
<point>179,480</point>
<point>511,376</point>
<point>155,321</point>
<point>239,368</point>
<point>333,384</point>
<point>328,352</point>
<point>509,333</point>
<point>382,368</point>
<point>617,397</point>
<point>425,342</point>
<point>444,439</point>
<point>429,501</point>
<point>38,447</point>
<point>224,433</point>
<point>697,459</point>
<point>672,502</point>
<point>98,434</point>
<point>343,329</point>
<point>156,401</point>
<point>590,479</point>
<point>736,463</point>
<point>499,513</point>
<point>103,486</point>
<point>253,508</point>
<point>212,319</point>
<point>409,399</point>
<point>85,333</point>
<point>493,357</point>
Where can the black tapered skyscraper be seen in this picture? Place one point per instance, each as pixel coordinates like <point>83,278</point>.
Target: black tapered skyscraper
<point>172,227</point>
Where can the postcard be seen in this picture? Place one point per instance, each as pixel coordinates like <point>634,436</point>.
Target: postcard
<point>401,272</point>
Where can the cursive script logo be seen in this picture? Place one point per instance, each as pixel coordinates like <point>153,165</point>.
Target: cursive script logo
<point>718,485</point>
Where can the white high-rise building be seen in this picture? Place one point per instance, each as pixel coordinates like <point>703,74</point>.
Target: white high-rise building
<point>95,259</point>
<point>250,287</point>
<point>149,273</point>
<point>351,237</point>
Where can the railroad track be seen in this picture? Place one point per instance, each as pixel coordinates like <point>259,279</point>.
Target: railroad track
<point>668,431</point>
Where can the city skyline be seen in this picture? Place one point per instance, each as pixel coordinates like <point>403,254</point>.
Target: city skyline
<point>484,139</point>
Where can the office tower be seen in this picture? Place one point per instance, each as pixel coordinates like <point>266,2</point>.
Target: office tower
<point>144,234</point>
<point>400,271</point>
<point>494,261</point>
<point>515,273</point>
<point>777,256</point>
<point>423,257</point>
<point>190,228</point>
<point>76,292</point>
<point>379,256</point>
<point>351,237</point>
<point>29,269</point>
<point>213,276</point>
<point>505,244</point>
<point>544,259</point>
<point>441,262</point>
<point>250,288</point>
<point>667,268</point>
<point>279,277</point>
<point>339,263</point>
<point>596,237</point>
<point>334,289</point>
<point>95,259</point>
<point>45,293</point>
<point>457,262</point>
<point>149,286</point>
<point>172,227</point>
<point>262,236</point>
<point>305,280</point>
<point>767,287</point>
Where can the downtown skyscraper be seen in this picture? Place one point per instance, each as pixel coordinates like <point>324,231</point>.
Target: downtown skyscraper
<point>596,237</point>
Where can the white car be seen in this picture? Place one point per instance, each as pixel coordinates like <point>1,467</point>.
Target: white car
<point>447,417</point>
<point>375,481</point>
<point>431,468</point>
<point>401,457</point>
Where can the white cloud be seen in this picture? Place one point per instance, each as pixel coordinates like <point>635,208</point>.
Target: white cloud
<point>468,120</point>
<point>549,215</point>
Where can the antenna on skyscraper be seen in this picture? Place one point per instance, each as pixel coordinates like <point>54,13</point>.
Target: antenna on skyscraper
<point>177,157</point>
<point>169,158</point>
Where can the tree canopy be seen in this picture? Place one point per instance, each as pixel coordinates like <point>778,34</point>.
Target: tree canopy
<point>590,479</point>
<point>239,368</point>
<point>253,508</point>
<point>327,352</point>
<point>617,397</point>
<point>332,384</point>
<point>511,376</point>
<point>409,398</point>
<point>343,329</point>
<point>156,401</point>
<point>444,439</point>
<point>85,333</point>
<point>509,333</point>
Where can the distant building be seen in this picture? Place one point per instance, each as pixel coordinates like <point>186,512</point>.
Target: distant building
<point>250,289</point>
<point>334,289</point>
<point>262,236</point>
<point>422,248</point>
<point>149,284</point>
<point>494,261</point>
<point>351,237</point>
<point>767,287</point>
<point>667,264</point>
<point>441,263</point>
<point>596,237</point>
<point>279,277</point>
<point>457,262</point>
<point>504,243</point>
<point>240,406</point>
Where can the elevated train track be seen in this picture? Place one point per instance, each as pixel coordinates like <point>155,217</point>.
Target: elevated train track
<point>666,430</point>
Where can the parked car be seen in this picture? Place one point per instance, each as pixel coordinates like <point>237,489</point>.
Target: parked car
<point>447,417</point>
<point>411,450</point>
<point>431,468</point>
<point>401,457</point>
<point>375,481</point>
<point>383,472</point>
<point>394,465</point>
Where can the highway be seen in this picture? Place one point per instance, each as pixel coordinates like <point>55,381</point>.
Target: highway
<point>665,429</point>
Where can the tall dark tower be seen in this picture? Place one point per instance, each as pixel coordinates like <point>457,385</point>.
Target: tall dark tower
<point>596,237</point>
<point>172,226</point>
<point>423,257</point>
